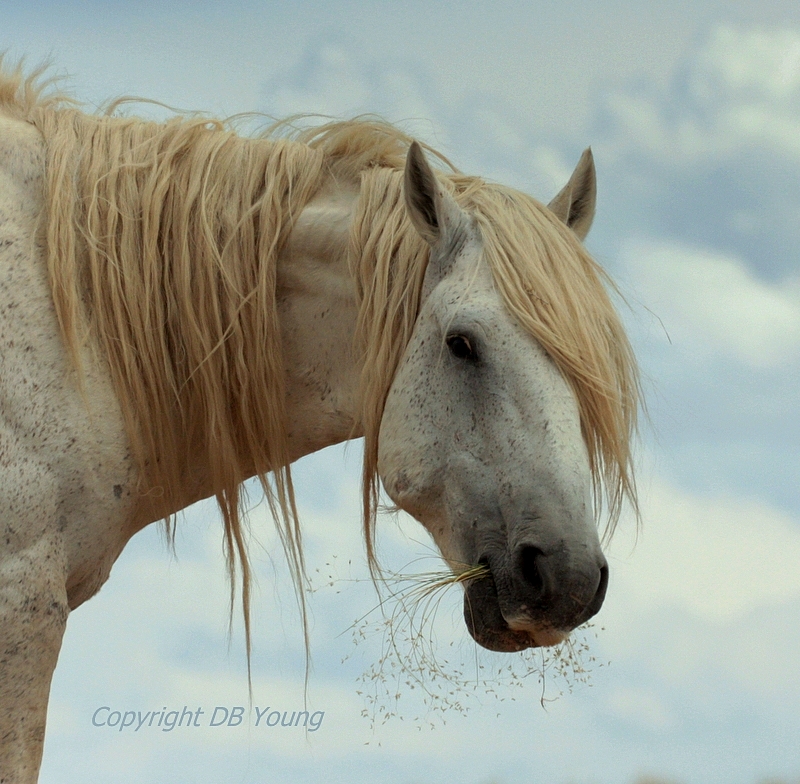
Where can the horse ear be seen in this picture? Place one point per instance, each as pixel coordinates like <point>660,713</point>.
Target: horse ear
<point>433,212</point>
<point>575,202</point>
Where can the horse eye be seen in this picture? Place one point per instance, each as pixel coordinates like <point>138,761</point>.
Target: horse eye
<point>460,347</point>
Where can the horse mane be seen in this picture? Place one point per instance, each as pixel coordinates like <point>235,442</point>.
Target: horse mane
<point>162,248</point>
<point>162,245</point>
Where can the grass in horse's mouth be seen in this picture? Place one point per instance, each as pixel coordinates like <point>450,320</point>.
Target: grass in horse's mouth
<point>412,660</point>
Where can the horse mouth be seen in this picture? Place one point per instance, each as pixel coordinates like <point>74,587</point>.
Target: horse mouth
<point>490,629</point>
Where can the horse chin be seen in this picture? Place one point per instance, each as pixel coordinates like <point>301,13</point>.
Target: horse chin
<point>490,629</point>
<point>503,640</point>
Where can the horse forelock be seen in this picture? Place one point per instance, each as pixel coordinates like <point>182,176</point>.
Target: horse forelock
<point>558,293</point>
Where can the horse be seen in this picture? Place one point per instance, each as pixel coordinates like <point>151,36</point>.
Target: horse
<point>184,307</point>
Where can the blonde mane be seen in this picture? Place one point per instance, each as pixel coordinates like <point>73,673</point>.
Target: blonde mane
<point>162,248</point>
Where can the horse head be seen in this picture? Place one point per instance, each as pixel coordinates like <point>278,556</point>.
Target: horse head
<point>481,438</point>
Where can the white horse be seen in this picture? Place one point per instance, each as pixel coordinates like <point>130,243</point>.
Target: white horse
<point>182,308</point>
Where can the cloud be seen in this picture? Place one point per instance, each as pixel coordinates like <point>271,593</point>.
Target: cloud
<point>712,305</point>
<point>700,617</point>
<point>717,558</point>
<point>712,157</point>
<point>741,88</point>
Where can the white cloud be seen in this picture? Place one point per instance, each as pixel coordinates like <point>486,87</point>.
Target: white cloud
<point>755,63</point>
<point>712,304</point>
<point>718,558</point>
<point>742,88</point>
<point>705,603</point>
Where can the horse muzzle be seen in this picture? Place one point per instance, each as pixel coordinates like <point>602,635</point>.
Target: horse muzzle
<point>532,600</point>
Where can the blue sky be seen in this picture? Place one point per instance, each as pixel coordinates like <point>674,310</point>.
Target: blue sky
<point>693,113</point>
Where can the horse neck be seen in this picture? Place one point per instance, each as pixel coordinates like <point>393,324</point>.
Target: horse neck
<point>318,310</point>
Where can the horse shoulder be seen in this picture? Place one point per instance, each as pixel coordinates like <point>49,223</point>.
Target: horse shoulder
<point>66,474</point>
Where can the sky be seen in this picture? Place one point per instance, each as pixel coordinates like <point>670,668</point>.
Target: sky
<point>690,671</point>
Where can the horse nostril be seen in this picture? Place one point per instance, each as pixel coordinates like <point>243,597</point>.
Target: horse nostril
<point>529,567</point>
<point>600,593</point>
